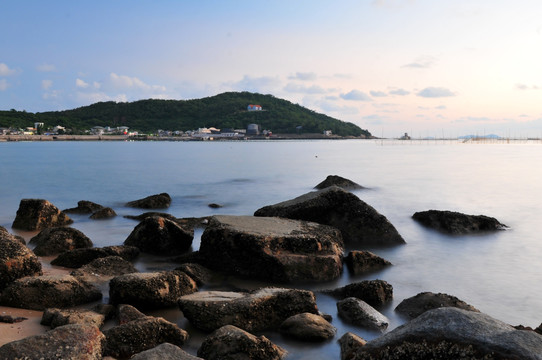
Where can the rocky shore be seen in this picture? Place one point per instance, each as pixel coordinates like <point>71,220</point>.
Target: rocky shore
<point>58,282</point>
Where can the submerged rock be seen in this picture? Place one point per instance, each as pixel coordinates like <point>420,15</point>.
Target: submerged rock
<point>335,180</point>
<point>272,249</point>
<point>358,222</point>
<point>417,305</point>
<point>16,260</point>
<point>105,213</point>
<point>160,236</point>
<point>359,313</point>
<point>38,214</point>
<point>373,292</point>
<point>359,262</point>
<point>457,223</point>
<point>56,240</point>
<point>159,201</point>
<point>84,207</point>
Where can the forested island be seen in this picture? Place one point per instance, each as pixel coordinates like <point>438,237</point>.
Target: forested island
<point>228,110</point>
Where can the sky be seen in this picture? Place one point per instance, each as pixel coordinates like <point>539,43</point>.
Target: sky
<point>431,68</point>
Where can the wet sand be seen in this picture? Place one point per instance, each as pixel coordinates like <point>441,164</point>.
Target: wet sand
<point>20,330</point>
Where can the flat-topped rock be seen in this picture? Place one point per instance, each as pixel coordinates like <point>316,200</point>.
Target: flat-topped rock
<point>272,249</point>
<point>158,201</point>
<point>456,223</point>
<point>84,207</point>
<point>422,302</point>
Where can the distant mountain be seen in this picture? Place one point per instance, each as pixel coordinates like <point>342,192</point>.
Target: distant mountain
<point>226,110</point>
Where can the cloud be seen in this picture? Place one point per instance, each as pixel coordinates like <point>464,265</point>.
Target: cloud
<point>51,95</point>
<point>441,107</point>
<point>308,76</point>
<point>45,68</point>
<point>526,87</point>
<point>94,97</point>
<point>400,92</point>
<point>435,92</point>
<point>3,84</point>
<point>378,93</point>
<point>81,84</point>
<point>423,62</point>
<point>314,89</point>
<point>262,84</point>
<point>5,70</point>
<point>46,84</point>
<point>356,95</point>
<point>374,119</point>
<point>126,82</point>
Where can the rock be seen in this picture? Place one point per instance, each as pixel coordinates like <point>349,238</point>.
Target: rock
<point>191,222</point>
<point>359,262</point>
<point>38,214</point>
<point>197,272</point>
<point>359,313</point>
<point>334,180</point>
<point>49,291</point>
<point>127,313</point>
<point>8,319</point>
<point>417,305</point>
<point>451,333</point>
<point>349,344</point>
<point>16,260</point>
<point>160,236</point>
<point>160,201</point>
<point>102,268</point>
<point>79,257</point>
<point>215,206</point>
<point>141,334</point>
<point>373,292</point>
<point>259,310</point>
<point>52,241</point>
<point>456,223</point>
<point>165,351</point>
<point>5,234</point>
<point>272,249</point>
<point>232,343</point>
<point>308,327</point>
<point>76,341</point>
<point>105,213</point>
<point>54,317</point>
<point>150,290</point>
<point>84,207</point>
<point>359,223</point>
<point>143,216</point>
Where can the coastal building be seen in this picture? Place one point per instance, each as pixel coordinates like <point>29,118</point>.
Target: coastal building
<point>97,130</point>
<point>327,132</point>
<point>253,129</point>
<point>252,107</point>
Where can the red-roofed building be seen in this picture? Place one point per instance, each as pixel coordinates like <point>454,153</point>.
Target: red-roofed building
<point>254,107</point>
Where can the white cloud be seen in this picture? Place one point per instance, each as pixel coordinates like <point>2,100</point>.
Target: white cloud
<point>441,107</point>
<point>400,92</point>
<point>314,89</point>
<point>435,92</point>
<point>378,93</point>
<point>46,84</point>
<point>127,82</point>
<point>264,84</point>
<point>356,95</point>
<point>423,62</point>
<point>94,97</point>
<point>5,70</point>
<point>51,95</point>
<point>308,76</point>
<point>3,84</point>
<point>526,87</point>
<point>45,68</point>
<point>81,83</point>
<point>374,119</point>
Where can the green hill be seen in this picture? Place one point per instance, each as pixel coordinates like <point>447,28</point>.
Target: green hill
<point>226,110</point>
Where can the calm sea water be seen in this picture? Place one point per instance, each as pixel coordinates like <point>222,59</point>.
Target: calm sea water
<point>497,273</point>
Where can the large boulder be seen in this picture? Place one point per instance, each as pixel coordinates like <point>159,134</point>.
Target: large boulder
<point>360,223</point>
<point>359,262</point>
<point>141,334</point>
<point>49,291</point>
<point>456,223</point>
<point>16,260</point>
<point>159,201</point>
<point>359,313</point>
<point>84,207</point>
<point>54,317</point>
<point>335,180</point>
<point>259,310</point>
<point>160,236</point>
<point>52,241</point>
<point>76,341</point>
<point>308,327</point>
<point>374,292</point>
<point>165,351</point>
<point>79,257</point>
<point>450,333</point>
<point>150,290</point>
<point>232,343</point>
<point>272,249</point>
<point>417,305</point>
<point>39,214</point>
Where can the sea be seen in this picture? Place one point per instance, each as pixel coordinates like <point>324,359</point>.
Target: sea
<point>499,273</point>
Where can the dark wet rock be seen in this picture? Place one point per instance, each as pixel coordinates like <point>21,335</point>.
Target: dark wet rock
<point>8,319</point>
<point>16,260</point>
<point>4,234</point>
<point>349,344</point>
<point>106,310</point>
<point>165,351</point>
<point>272,249</point>
<point>455,223</point>
<point>54,317</point>
<point>450,333</point>
<point>417,305</point>
<point>335,180</point>
<point>78,257</point>
<point>49,291</point>
<point>76,341</point>
<point>373,292</point>
<point>127,313</point>
<point>39,214</point>
<point>143,216</point>
<point>199,273</point>
<point>150,290</point>
<point>359,262</point>
<point>232,343</point>
<point>308,327</point>
<point>105,213</point>
<point>141,334</point>
<point>159,201</point>
<point>259,310</point>
<point>359,313</point>
<point>190,223</point>
<point>358,222</point>
<point>84,207</point>
<point>215,205</point>
<point>160,236</point>
<point>103,268</point>
<point>56,240</point>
